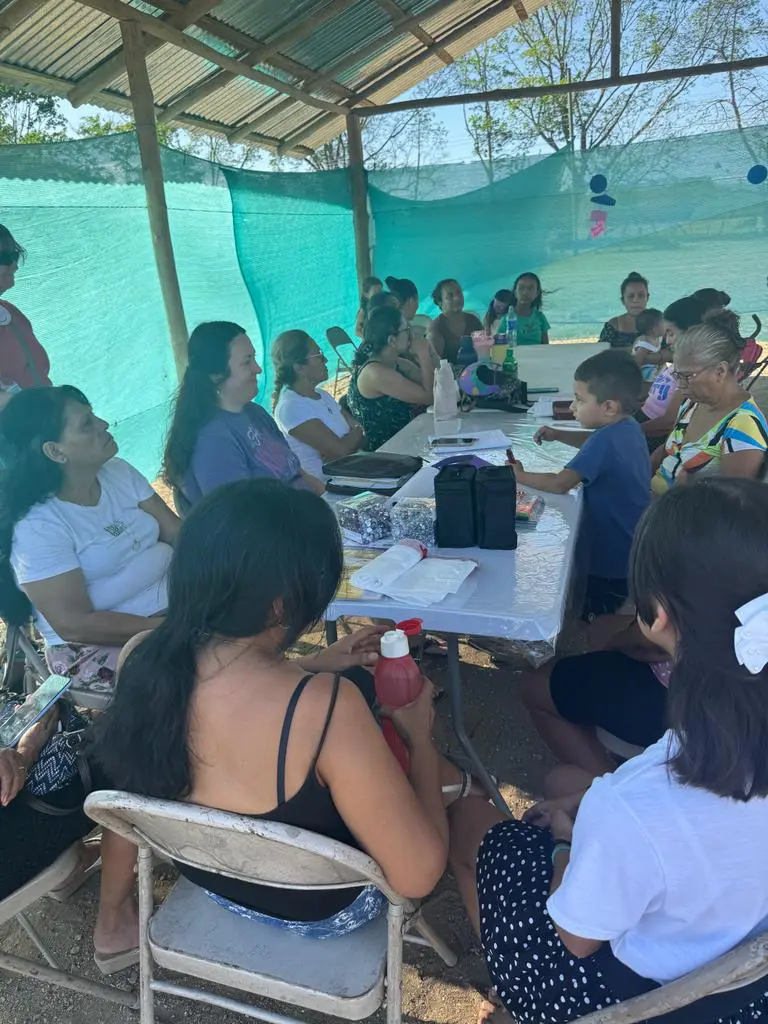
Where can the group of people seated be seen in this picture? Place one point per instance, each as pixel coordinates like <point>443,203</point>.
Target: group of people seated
<point>622,878</point>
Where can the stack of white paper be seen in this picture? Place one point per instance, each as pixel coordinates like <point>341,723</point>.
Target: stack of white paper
<point>404,574</point>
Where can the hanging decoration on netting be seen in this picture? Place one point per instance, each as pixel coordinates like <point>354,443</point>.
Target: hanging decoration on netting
<point>598,186</point>
<point>757,175</point>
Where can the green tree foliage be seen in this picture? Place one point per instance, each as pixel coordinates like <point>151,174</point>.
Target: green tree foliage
<point>27,118</point>
<point>569,40</point>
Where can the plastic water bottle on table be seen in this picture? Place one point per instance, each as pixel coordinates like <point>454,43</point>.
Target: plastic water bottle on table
<point>446,400</point>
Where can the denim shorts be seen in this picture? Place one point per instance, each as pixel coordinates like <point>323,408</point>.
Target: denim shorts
<point>367,907</point>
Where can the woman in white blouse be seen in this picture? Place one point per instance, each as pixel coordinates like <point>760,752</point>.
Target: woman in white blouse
<point>317,427</point>
<point>657,868</point>
<point>88,540</point>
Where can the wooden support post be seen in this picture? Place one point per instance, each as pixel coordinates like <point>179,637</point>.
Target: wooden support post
<point>615,38</point>
<point>151,165</point>
<point>359,198</point>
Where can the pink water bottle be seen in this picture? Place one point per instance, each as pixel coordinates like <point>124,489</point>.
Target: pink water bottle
<point>398,682</point>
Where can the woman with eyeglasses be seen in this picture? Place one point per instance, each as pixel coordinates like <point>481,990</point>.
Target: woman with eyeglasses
<point>218,434</point>
<point>315,425</point>
<point>385,386</point>
<point>23,360</point>
<point>720,428</point>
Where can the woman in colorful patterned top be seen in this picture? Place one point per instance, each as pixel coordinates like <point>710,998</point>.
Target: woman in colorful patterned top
<point>532,325</point>
<point>621,331</point>
<point>720,428</point>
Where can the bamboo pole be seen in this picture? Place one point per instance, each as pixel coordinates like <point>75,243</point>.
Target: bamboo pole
<point>359,199</point>
<point>151,165</point>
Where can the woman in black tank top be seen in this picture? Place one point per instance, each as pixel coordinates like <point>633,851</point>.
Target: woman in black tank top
<point>210,710</point>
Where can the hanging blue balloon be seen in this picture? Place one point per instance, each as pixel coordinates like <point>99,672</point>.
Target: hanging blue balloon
<point>757,175</point>
<point>598,183</point>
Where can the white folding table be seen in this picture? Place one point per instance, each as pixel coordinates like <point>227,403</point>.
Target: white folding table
<point>517,595</point>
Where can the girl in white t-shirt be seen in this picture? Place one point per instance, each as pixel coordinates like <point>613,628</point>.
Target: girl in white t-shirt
<point>316,426</point>
<point>657,869</point>
<point>86,537</point>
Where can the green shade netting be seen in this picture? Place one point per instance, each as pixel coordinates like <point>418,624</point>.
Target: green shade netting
<point>274,251</point>
<point>685,216</point>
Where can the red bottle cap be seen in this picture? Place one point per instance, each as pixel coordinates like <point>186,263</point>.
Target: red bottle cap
<point>411,627</point>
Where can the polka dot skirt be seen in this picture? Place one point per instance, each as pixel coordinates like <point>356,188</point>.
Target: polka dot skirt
<point>537,978</point>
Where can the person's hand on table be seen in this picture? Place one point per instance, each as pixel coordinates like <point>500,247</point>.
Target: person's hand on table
<point>359,648</point>
<point>13,775</point>
<point>545,434</point>
<point>414,721</point>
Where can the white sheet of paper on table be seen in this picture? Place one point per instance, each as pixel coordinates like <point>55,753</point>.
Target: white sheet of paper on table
<point>403,574</point>
<point>482,439</point>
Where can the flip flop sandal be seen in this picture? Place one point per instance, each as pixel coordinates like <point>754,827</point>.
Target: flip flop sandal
<point>64,892</point>
<point>111,963</point>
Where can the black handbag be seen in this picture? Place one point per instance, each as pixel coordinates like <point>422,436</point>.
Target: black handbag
<point>455,525</point>
<point>496,507</point>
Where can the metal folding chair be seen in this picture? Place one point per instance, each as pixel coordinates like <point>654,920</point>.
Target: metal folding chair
<point>190,934</point>
<point>339,340</point>
<point>15,907</point>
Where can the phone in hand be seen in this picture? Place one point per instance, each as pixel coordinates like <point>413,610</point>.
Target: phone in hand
<point>15,724</point>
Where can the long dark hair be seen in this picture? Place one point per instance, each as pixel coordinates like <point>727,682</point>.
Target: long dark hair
<point>403,288</point>
<point>536,304</point>
<point>245,550</point>
<point>685,312</point>
<point>700,553</point>
<point>29,420</point>
<point>197,398</point>
<point>288,349</point>
<point>380,326</point>
<point>499,306</point>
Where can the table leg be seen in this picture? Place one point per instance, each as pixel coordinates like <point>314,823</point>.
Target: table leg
<point>459,727</point>
<point>331,631</point>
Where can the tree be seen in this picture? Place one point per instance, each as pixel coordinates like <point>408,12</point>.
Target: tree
<point>28,118</point>
<point>95,126</point>
<point>744,33</point>
<point>569,40</point>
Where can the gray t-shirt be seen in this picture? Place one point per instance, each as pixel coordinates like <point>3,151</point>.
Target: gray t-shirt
<point>239,446</point>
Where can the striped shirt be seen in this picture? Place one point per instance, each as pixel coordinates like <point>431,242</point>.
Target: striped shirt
<point>743,429</point>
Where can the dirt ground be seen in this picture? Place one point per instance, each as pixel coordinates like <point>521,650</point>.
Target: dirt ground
<point>433,993</point>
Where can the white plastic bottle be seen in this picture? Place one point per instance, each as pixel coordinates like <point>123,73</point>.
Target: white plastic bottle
<point>446,401</point>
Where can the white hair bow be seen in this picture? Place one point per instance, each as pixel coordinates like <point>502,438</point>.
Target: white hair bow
<point>750,639</point>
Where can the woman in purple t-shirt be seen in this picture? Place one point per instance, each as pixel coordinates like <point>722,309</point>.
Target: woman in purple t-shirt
<point>217,434</point>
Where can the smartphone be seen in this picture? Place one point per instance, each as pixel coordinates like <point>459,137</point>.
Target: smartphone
<point>453,442</point>
<point>32,710</point>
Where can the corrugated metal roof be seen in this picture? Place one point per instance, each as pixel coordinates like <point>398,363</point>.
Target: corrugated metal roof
<point>57,46</point>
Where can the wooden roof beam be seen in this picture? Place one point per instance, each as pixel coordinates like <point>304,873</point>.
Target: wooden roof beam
<point>399,28</point>
<point>455,35</point>
<point>114,65</point>
<point>45,84</point>
<point>396,11</point>
<point>168,33</point>
<point>13,15</point>
<point>615,38</point>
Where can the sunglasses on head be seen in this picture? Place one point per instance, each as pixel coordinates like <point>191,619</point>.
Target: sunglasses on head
<point>7,259</point>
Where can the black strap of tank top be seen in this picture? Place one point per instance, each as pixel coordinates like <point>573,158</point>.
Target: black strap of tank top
<point>288,721</point>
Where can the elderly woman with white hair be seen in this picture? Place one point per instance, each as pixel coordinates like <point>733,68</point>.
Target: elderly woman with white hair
<point>720,428</point>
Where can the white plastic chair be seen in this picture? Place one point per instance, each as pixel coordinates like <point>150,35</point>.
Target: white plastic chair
<point>190,934</point>
<point>16,905</point>
<point>616,745</point>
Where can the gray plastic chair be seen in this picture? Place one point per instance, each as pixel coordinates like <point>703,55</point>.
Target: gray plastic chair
<point>190,934</point>
<point>15,907</point>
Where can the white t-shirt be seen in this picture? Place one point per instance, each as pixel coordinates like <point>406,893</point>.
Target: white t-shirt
<point>293,409</point>
<point>115,544</point>
<point>672,876</point>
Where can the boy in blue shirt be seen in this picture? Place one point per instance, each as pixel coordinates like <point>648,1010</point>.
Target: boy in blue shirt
<point>612,464</point>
